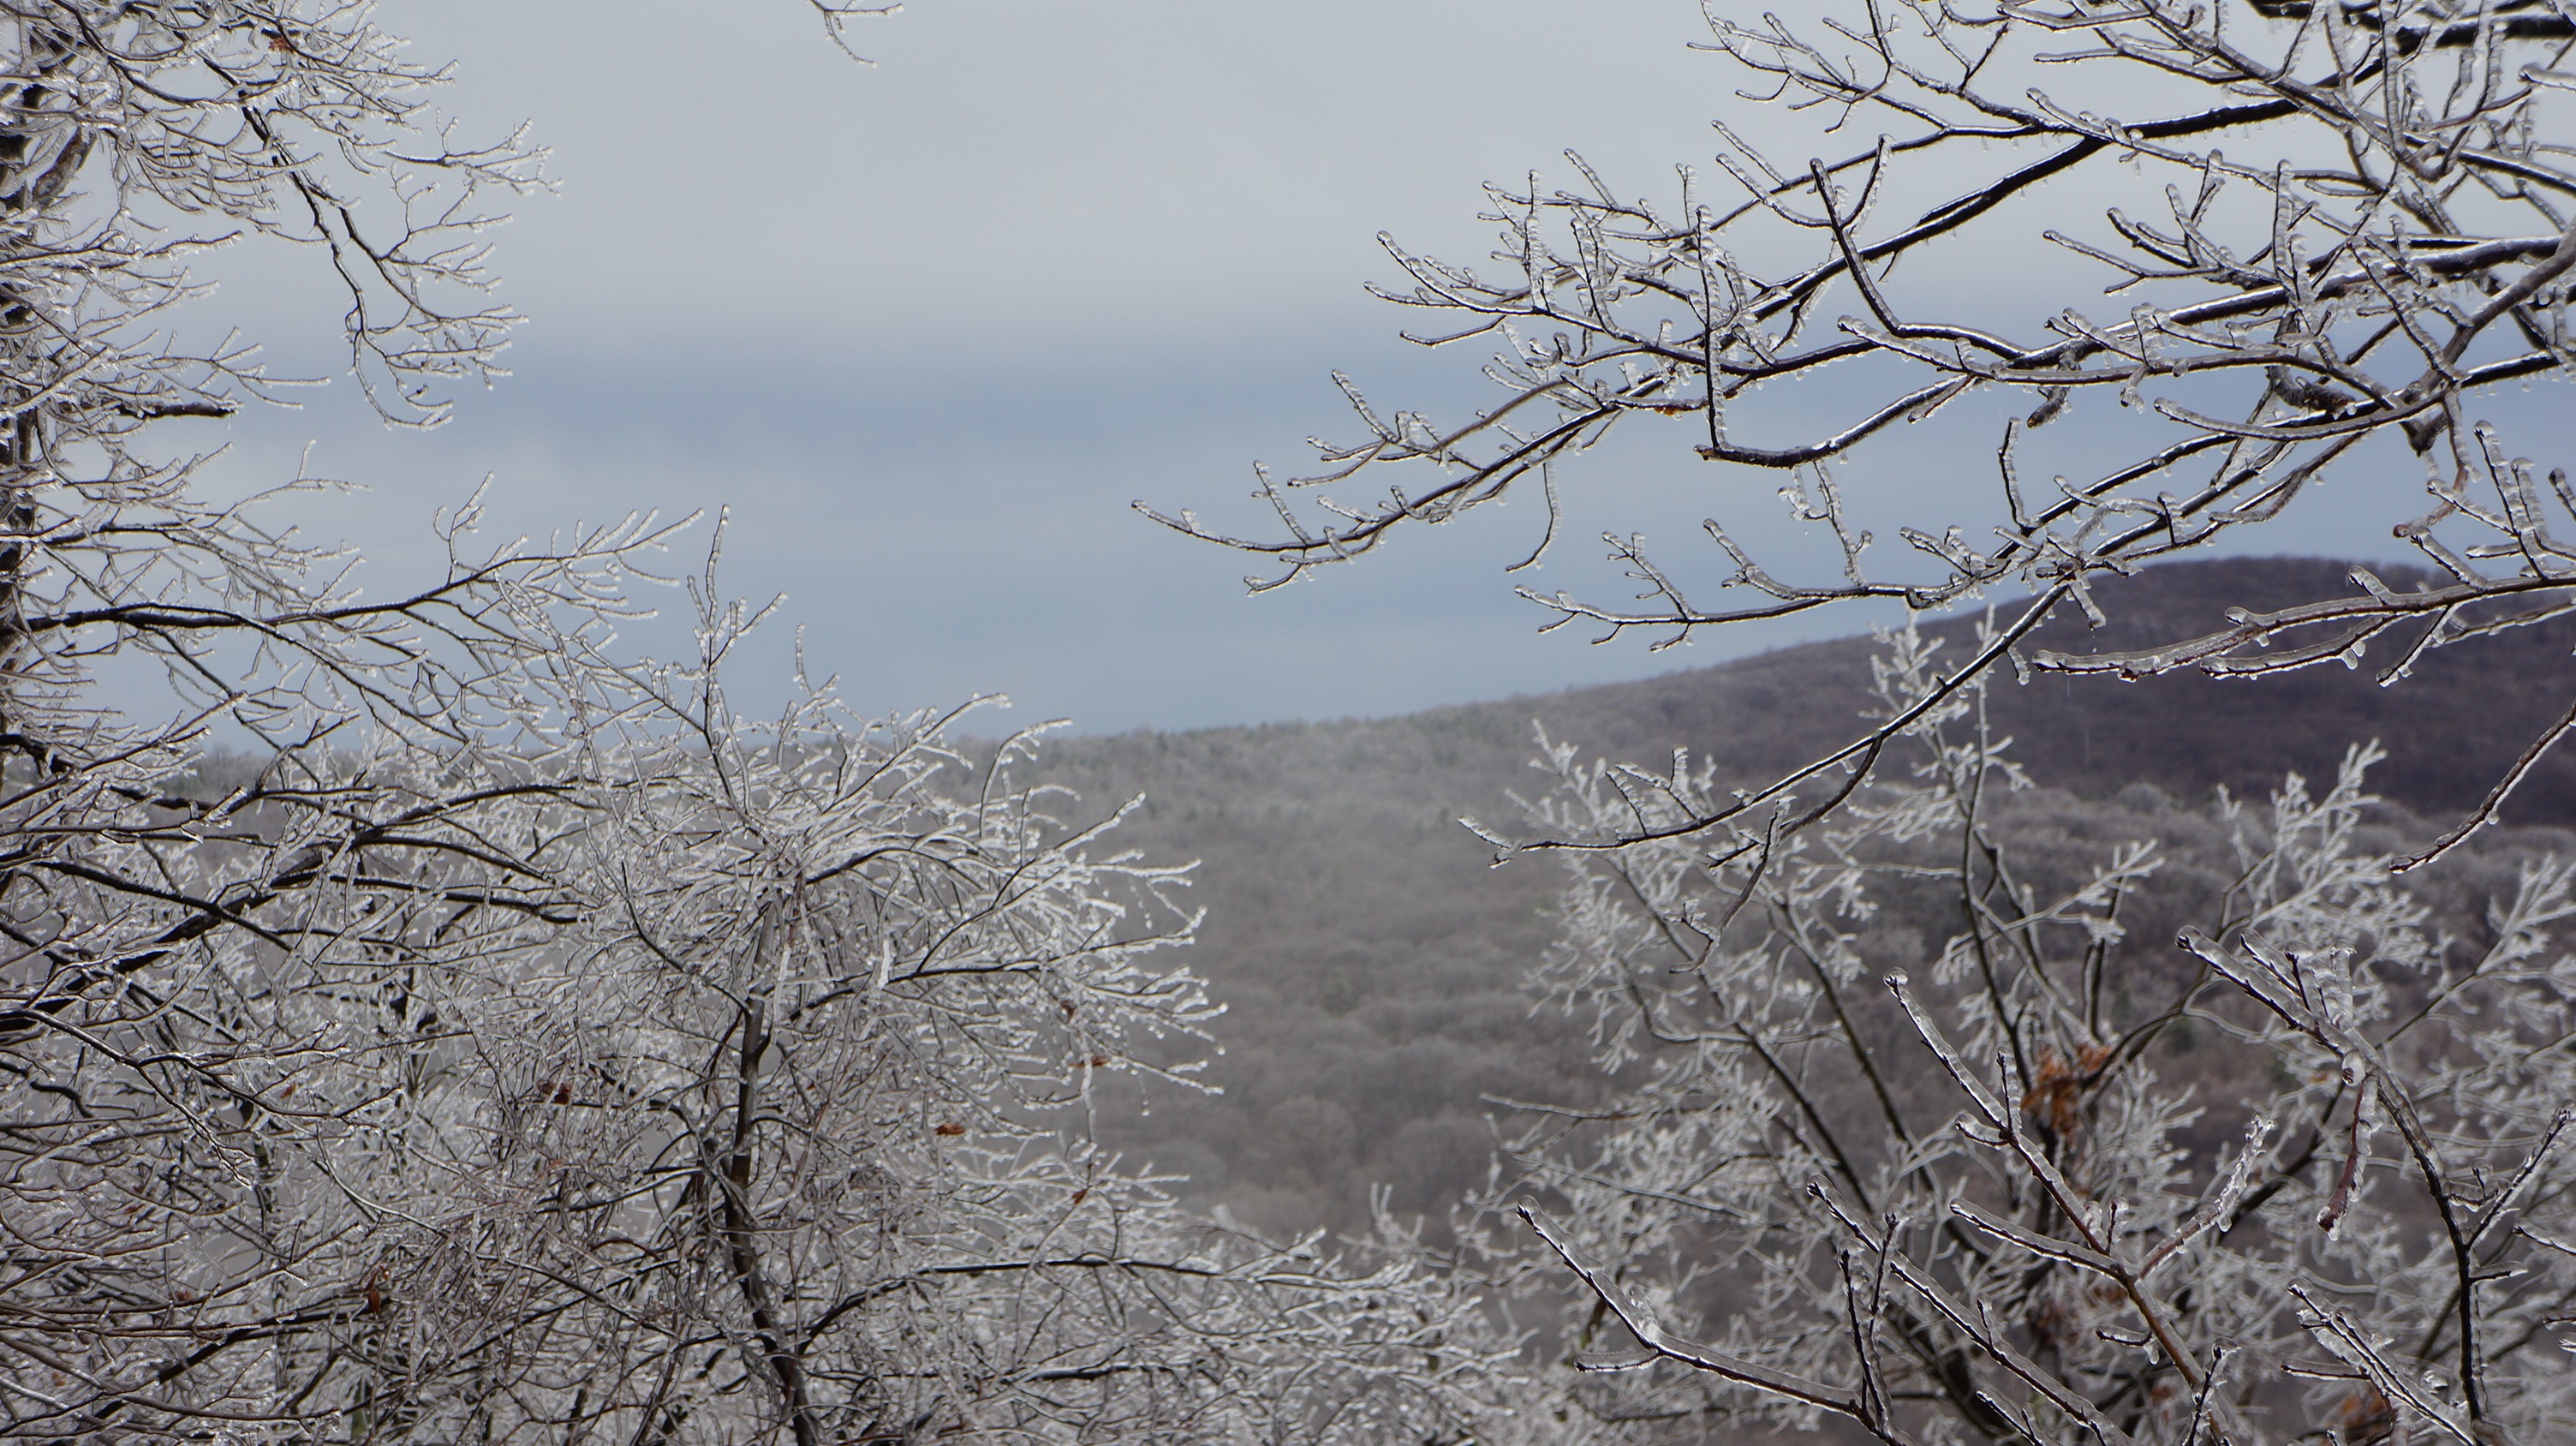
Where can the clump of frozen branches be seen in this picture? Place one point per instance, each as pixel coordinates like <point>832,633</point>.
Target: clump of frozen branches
<point>714,1081</point>
<point>2351,226</point>
<point>790,1135</point>
<point>2304,1177</point>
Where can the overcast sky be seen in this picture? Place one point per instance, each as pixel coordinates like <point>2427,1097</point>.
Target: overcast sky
<point>928,326</point>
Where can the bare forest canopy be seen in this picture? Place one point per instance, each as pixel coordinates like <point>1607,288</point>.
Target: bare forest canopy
<point>1372,960</point>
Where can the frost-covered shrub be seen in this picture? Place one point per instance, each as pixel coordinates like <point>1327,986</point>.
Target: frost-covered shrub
<point>1925,1132</point>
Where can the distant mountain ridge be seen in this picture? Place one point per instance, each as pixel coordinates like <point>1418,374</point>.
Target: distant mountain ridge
<point>1372,959</point>
<point>2451,729</point>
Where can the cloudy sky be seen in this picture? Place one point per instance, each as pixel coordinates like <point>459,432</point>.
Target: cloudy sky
<point>927,327</point>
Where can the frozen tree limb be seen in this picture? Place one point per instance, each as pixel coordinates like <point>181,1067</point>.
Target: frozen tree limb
<point>2351,226</point>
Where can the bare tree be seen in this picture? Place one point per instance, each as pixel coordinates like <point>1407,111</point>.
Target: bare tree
<point>2305,1179</point>
<point>507,1040</point>
<point>2350,228</point>
<point>155,1270</point>
<point>790,1135</point>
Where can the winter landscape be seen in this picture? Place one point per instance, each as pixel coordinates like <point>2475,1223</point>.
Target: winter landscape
<point>2082,956</point>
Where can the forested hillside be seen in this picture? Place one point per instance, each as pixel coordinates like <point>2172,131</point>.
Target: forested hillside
<point>1372,959</point>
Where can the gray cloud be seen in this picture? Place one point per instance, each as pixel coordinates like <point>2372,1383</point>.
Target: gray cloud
<point>927,327</point>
